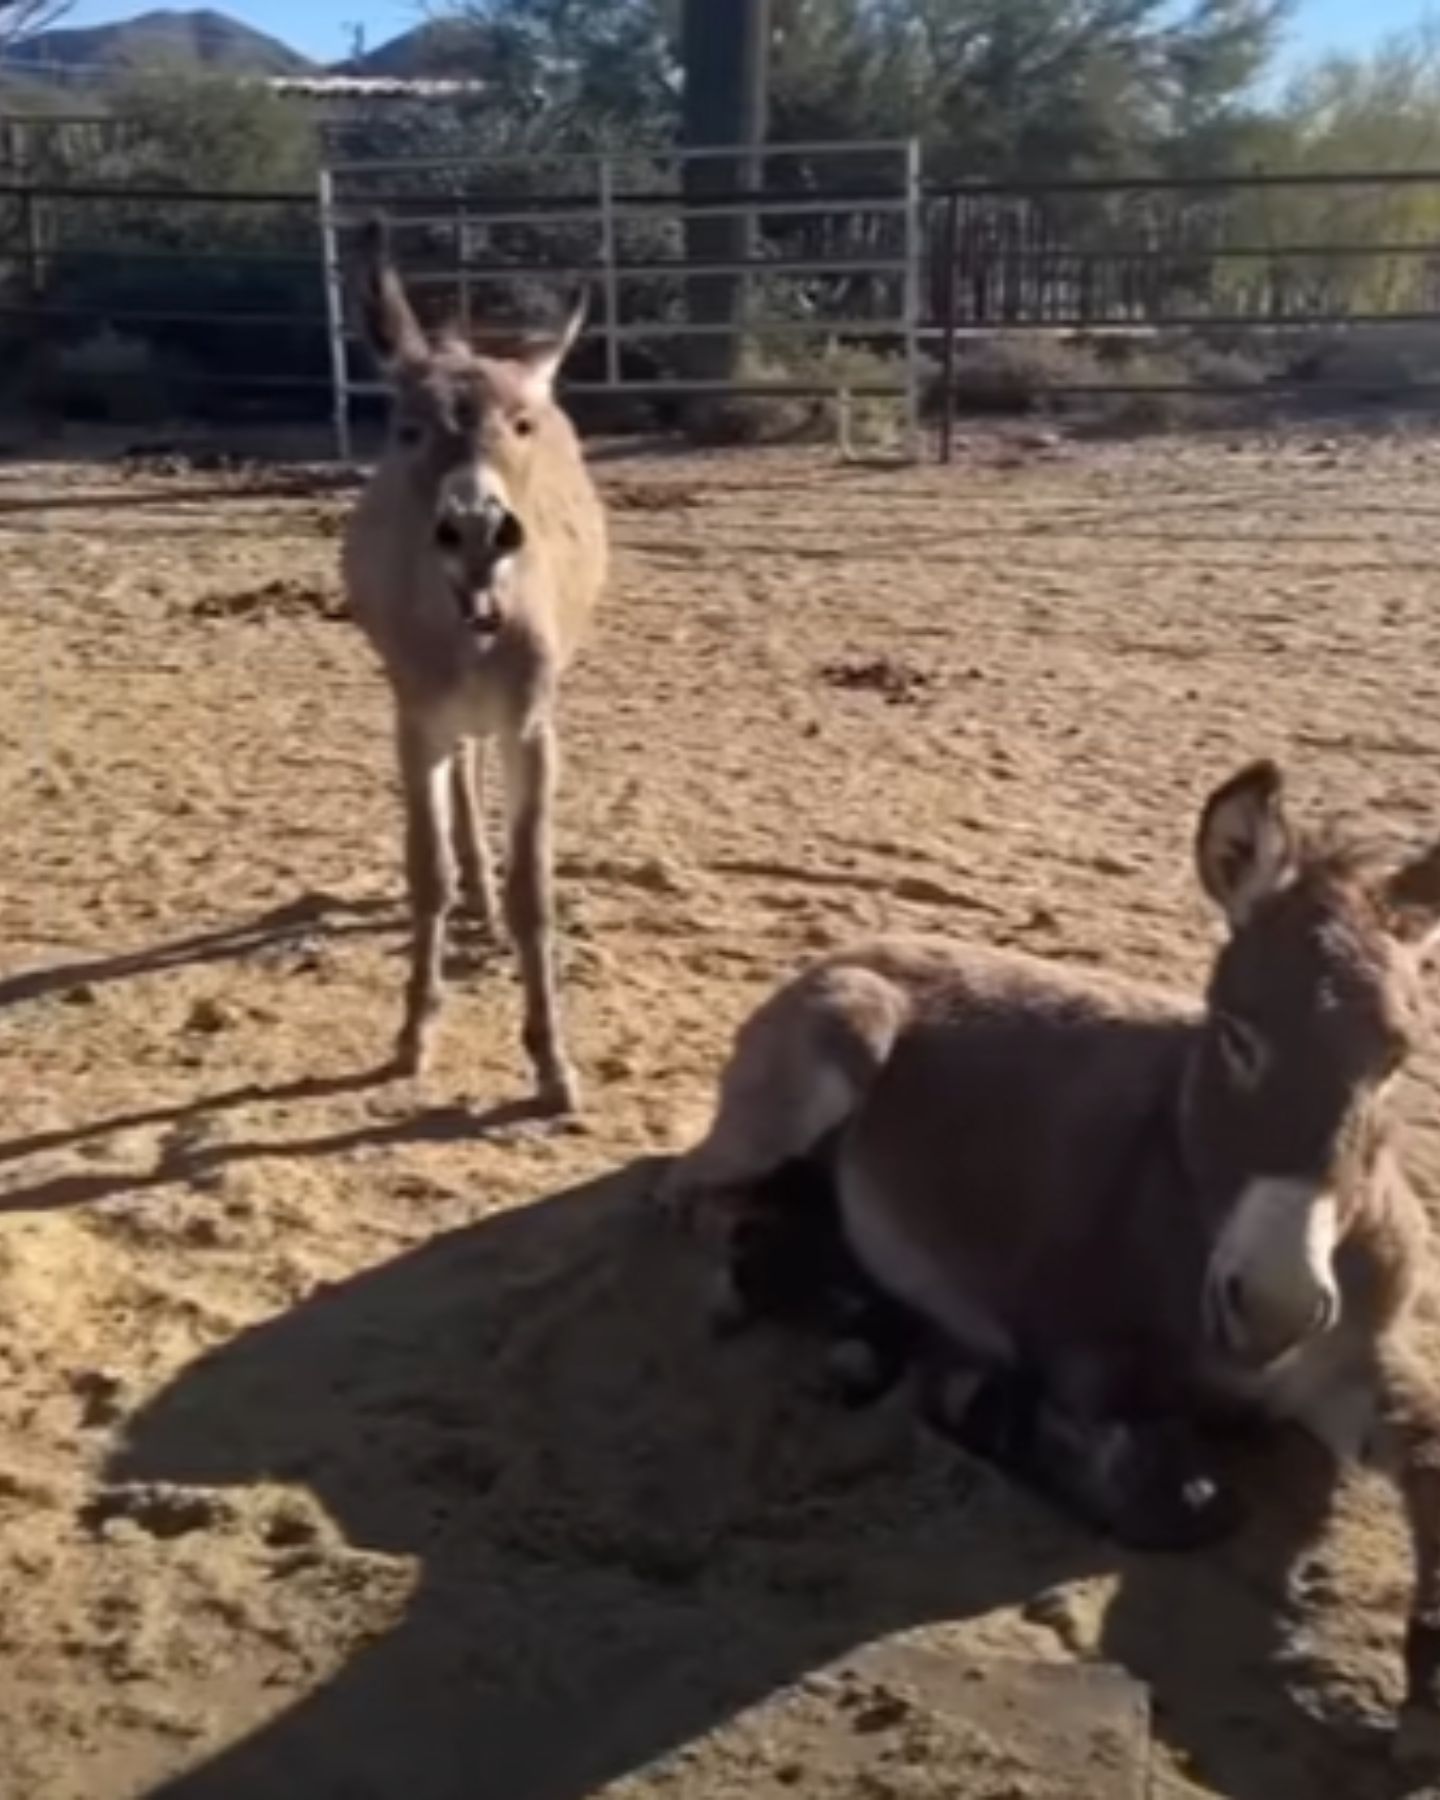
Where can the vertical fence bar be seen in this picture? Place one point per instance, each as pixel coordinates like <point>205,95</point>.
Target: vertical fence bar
<point>950,250</point>
<point>32,244</point>
<point>608,256</point>
<point>334,314</point>
<point>914,252</point>
<point>462,258</point>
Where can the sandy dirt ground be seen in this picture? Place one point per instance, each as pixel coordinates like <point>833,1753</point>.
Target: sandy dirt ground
<point>357,1441</point>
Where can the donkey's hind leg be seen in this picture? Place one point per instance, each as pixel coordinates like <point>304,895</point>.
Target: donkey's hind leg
<point>472,840</point>
<point>430,879</point>
<point>787,1259</point>
<point>798,1069</point>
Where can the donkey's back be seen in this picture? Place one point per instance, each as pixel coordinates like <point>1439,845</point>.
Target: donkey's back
<point>1010,1172</point>
<point>986,1118</point>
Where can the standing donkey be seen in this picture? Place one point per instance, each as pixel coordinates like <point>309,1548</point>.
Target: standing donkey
<point>473,562</point>
<point>1134,1205</point>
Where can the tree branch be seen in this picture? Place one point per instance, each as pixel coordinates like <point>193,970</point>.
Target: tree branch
<point>20,19</point>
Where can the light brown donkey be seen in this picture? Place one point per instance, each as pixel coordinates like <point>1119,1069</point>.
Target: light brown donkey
<point>473,562</point>
<point>1141,1202</point>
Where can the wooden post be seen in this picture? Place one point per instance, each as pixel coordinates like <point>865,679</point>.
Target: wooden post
<point>725,49</point>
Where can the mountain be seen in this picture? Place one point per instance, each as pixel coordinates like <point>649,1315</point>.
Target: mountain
<point>212,40</point>
<point>432,49</point>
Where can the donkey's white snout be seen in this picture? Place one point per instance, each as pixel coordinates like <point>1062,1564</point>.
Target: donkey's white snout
<point>477,534</point>
<point>1271,1282</point>
<point>482,530</point>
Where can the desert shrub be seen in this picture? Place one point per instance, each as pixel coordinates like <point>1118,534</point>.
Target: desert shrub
<point>124,283</point>
<point>1022,373</point>
<point>110,378</point>
<point>1129,381</point>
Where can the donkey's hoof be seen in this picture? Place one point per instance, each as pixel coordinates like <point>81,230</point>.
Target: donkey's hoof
<point>411,1058</point>
<point>557,1095</point>
<point>1199,1514</point>
<point>479,913</point>
<point>1162,1499</point>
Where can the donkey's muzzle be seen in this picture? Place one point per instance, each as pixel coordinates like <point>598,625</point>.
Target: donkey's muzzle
<point>1242,1326</point>
<point>474,542</point>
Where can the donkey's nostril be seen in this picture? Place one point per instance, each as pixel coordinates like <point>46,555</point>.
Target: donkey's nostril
<point>1234,1296</point>
<point>447,535</point>
<point>509,535</point>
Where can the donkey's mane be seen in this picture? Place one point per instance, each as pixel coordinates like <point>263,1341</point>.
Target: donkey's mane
<point>1331,855</point>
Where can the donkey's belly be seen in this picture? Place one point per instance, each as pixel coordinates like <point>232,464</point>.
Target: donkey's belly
<point>914,1275</point>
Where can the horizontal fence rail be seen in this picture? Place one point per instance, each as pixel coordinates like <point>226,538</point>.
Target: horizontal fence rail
<point>664,238</point>
<point>1262,259</point>
<point>854,279</point>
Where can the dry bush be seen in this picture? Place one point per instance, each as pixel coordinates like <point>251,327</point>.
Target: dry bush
<point>1114,382</point>
<point>875,421</point>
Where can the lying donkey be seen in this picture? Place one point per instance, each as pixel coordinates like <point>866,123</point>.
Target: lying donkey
<point>1134,1204</point>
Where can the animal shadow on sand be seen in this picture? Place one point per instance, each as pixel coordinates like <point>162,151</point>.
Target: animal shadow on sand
<point>626,1533</point>
<point>288,927</point>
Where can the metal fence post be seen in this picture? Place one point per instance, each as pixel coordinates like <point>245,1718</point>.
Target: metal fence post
<point>462,264</point>
<point>912,303</point>
<point>34,245</point>
<point>608,256</point>
<point>949,276</point>
<point>333,278</point>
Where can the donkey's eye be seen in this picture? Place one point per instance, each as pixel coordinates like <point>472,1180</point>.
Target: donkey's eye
<point>1243,1049</point>
<point>409,432</point>
<point>524,425</point>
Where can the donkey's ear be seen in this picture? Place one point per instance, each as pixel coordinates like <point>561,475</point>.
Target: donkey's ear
<point>1411,898</point>
<point>1244,846</point>
<point>391,328</point>
<point>542,361</point>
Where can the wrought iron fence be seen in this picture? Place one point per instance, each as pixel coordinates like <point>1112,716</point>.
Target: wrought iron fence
<point>237,299</point>
<point>1228,259</point>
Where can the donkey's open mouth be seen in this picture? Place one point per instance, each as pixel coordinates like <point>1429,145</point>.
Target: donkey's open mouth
<point>479,607</point>
<point>475,548</point>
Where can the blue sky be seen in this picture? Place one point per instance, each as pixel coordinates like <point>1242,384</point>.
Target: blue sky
<point>321,28</point>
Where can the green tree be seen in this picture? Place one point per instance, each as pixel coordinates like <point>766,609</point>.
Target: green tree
<point>1025,87</point>
<point>1359,114</point>
<point>162,275</point>
<point>189,129</point>
<point>1020,87</point>
<point>575,74</point>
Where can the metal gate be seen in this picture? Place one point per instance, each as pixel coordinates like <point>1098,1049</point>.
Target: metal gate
<point>832,261</point>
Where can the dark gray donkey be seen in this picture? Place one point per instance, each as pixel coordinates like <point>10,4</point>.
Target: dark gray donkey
<point>1140,1203</point>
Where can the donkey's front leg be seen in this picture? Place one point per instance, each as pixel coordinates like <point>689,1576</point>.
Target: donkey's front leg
<point>530,770</point>
<point>472,841</point>
<point>425,774</point>
<point>1408,1442</point>
<point>1139,1477</point>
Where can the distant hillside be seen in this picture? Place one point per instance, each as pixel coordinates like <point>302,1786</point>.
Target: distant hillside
<point>210,39</point>
<point>440,47</point>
